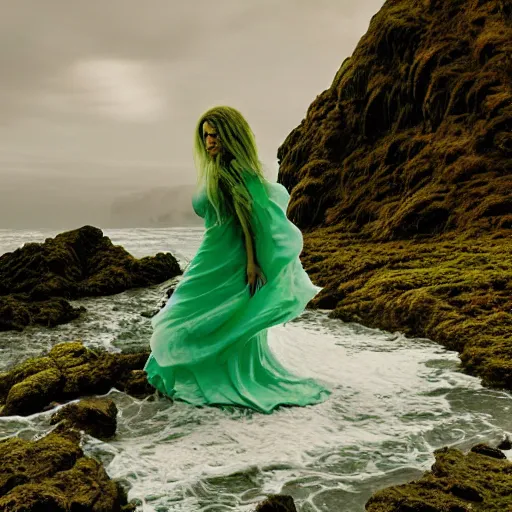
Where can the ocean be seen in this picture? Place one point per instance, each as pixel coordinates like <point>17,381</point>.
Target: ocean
<point>395,400</point>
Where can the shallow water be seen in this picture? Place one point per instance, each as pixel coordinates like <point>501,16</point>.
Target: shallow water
<point>394,401</point>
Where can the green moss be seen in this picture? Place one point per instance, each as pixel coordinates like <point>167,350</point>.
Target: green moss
<point>27,368</point>
<point>451,288</point>
<point>97,416</point>
<point>67,355</point>
<point>456,482</point>
<point>38,459</point>
<point>34,497</point>
<point>33,393</point>
<point>53,474</point>
<point>69,371</point>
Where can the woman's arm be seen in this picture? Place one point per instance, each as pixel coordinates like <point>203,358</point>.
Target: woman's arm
<point>249,239</point>
<point>255,277</point>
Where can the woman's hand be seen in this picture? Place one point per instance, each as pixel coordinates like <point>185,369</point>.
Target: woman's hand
<point>255,277</point>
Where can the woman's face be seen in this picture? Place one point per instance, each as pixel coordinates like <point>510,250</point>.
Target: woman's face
<point>211,139</point>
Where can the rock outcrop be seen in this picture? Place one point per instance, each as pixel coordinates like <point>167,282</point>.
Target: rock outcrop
<point>96,416</point>
<point>401,177</point>
<point>67,372</point>
<point>414,135</point>
<point>52,473</point>
<point>277,503</point>
<point>38,279</point>
<point>478,480</point>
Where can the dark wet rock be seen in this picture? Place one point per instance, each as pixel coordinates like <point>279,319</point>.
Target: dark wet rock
<point>16,312</point>
<point>457,482</point>
<point>485,449</point>
<point>167,296</point>
<point>135,383</point>
<point>400,177</point>
<point>96,416</point>
<point>277,503</point>
<point>413,136</point>
<point>150,313</point>
<point>38,279</point>
<point>506,444</point>
<point>67,372</point>
<point>52,474</point>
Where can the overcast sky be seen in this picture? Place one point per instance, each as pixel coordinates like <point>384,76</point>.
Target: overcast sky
<point>99,98</point>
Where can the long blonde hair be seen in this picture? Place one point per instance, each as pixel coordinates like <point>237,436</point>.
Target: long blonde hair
<point>224,174</point>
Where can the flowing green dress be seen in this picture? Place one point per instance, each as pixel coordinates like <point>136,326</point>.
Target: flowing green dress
<point>209,343</point>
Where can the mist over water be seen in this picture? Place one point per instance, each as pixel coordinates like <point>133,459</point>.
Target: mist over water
<point>394,401</point>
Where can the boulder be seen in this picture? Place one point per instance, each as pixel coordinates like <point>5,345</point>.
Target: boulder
<point>277,503</point>
<point>38,279</point>
<point>67,372</point>
<point>505,444</point>
<point>478,480</point>
<point>96,416</point>
<point>52,473</point>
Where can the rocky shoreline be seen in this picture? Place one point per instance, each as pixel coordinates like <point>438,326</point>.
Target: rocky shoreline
<point>38,279</point>
<point>70,371</point>
<point>70,376</point>
<point>400,177</point>
<point>456,291</point>
<point>39,473</point>
<point>52,473</point>
<point>458,482</point>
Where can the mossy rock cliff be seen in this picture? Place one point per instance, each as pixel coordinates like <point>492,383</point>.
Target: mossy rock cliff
<point>401,180</point>
<point>414,135</point>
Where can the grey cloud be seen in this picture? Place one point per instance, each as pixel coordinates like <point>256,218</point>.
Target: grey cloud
<point>269,58</point>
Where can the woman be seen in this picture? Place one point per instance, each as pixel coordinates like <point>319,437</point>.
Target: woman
<point>209,343</point>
